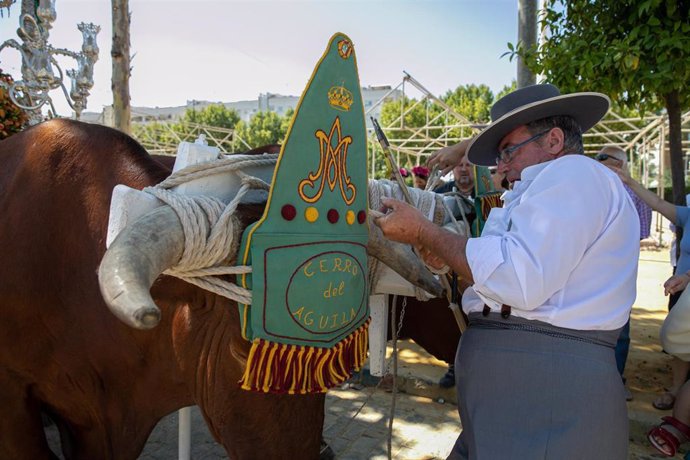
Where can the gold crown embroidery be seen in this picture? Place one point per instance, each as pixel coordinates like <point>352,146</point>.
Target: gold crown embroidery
<point>332,166</point>
<point>340,98</point>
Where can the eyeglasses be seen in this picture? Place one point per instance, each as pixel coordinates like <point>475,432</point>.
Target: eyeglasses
<point>506,155</point>
<point>604,157</point>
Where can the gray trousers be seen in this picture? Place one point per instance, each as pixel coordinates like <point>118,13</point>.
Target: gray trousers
<point>527,395</point>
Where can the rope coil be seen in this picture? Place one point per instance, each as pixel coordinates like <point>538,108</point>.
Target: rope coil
<point>210,226</point>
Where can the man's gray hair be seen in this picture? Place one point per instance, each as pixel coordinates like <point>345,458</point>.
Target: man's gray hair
<point>572,133</point>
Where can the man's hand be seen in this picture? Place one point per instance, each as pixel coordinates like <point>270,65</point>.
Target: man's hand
<point>436,246</point>
<point>402,223</point>
<point>449,157</point>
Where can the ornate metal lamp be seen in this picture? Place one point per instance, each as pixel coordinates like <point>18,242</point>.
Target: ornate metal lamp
<point>6,4</point>
<point>38,64</point>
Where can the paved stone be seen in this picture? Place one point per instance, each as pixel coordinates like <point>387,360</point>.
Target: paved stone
<point>426,429</point>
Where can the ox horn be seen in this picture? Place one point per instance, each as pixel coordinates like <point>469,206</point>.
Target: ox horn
<point>134,260</point>
<point>400,258</point>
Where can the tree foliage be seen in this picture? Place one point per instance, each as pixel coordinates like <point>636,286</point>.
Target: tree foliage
<point>12,118</point>
<point>213,115</point>
<point>263,128</point>
<point>635,51</point>
<point>407,113</point>
<point>472,101</point>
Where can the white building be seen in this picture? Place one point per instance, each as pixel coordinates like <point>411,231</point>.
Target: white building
<point>278,103</point>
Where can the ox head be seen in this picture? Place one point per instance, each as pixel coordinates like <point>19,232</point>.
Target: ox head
<point>154,243</point>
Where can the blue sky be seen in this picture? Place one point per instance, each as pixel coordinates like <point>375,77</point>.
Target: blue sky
<point>233,50</point>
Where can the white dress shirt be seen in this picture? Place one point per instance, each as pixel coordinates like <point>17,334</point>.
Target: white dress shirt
<point>563,250</point>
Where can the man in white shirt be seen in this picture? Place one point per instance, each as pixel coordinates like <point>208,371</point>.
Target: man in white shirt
<point>553,280</point>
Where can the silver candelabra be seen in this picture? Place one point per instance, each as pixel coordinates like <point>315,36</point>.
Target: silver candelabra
<point>39,66</point>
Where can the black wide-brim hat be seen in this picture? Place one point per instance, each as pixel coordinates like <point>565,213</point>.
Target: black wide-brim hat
<point>529,104</point>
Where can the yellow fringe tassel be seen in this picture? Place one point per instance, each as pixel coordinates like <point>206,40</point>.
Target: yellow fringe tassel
<point>295,369</point>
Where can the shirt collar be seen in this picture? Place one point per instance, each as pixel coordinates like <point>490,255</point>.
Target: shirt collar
<point>526,177</point>
<point>530,172</point>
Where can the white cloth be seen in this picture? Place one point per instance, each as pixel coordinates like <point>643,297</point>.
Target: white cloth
<point>564,248</point>
<point>675,332</point>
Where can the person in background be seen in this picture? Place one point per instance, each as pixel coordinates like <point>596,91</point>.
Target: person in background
<point>421,175</point>
<point>463,179</point>
<point>674,286</point>
<point>616,157</point>
<point>674,430</point>
<point>553,279</point>
<point>673,252</point>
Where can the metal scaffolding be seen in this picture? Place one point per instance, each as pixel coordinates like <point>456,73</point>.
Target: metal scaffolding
<point>642,138</point>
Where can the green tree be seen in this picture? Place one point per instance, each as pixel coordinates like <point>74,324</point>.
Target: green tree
<point>212,115</point>
<point>636,51</point>
<point>472,101</point>
<point>263,128</point>
<point>416,113</point>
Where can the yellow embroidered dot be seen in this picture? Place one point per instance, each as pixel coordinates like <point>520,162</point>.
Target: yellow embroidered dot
<point>350,217</point>
<point>311,214</point>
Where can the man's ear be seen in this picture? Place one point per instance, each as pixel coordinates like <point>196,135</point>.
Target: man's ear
<point>555,141</point>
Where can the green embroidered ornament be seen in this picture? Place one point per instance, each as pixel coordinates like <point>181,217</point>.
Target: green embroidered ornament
<point>308,317</point>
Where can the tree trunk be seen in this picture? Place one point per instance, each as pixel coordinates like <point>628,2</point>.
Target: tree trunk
<point>121,65</point>
<point>675,147</point>
<point>527,38</point>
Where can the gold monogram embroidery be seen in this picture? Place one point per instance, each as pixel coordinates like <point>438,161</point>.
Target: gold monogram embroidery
<point>332,166</point>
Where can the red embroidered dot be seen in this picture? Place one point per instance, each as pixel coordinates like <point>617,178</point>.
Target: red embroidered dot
<point>333,216</point>
<point>288,212</point>
<point>361,217</point>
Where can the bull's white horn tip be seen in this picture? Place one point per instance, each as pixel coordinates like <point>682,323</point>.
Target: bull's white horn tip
<point>147,317</point>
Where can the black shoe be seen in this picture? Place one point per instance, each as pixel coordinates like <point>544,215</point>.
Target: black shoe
<point>448,379</point>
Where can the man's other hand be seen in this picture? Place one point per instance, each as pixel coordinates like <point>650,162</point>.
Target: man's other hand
<point>448,157</point>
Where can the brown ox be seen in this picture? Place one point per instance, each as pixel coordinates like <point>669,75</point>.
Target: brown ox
<point>61,351</point>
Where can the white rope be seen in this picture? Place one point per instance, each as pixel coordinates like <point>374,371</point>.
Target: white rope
<point>210,226</point>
